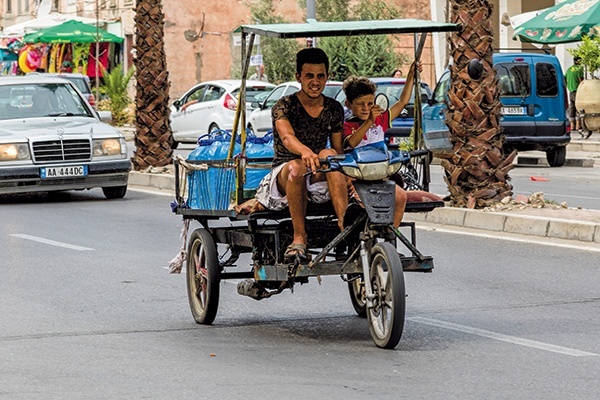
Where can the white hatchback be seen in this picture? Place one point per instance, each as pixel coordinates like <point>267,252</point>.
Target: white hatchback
<point>212,107</point>
<point>259,120</point>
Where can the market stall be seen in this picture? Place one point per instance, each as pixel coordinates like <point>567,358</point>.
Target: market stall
<point>72,46</point>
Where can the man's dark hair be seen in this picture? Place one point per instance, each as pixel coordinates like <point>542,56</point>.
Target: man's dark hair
<point>577,60</point>
<point>355,87</point>
<point>311,55</point>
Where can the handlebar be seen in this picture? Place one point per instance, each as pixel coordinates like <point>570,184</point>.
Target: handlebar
<point>418,153</point>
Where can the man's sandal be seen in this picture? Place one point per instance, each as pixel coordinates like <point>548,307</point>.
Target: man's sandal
<point>296,250</point>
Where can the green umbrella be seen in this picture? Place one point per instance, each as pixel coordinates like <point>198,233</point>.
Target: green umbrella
<point>71,32</point>
<point>565,22</point>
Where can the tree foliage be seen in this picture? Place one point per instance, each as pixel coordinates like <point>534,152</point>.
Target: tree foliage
<point>358,55</point>
<point>589,52</point>
<point>279,56</point>
<point>115,87</point>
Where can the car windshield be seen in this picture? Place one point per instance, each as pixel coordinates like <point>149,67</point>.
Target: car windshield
<point>31,100</point>
<point>332,91</point>
<point>255,93</point>
<point>79,83</point>
<point>393,91</point>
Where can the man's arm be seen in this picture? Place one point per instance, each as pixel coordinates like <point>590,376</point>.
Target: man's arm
<point>291,142</point>
<point>189,103</point>
<point>336,142</point>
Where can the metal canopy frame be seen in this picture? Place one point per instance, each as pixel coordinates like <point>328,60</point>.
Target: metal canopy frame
<point>313,28</point>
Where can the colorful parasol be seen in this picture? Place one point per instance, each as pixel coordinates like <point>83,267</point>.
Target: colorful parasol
<point>71,32</point>
<point>565,22</point>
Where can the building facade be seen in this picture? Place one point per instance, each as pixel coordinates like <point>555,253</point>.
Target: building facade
<point>200,45</point>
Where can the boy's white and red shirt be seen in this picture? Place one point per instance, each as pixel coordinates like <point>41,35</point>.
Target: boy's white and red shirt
<point>374,134</point>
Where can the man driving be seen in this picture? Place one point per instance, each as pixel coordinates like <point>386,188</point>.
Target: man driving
<point>303,123</point>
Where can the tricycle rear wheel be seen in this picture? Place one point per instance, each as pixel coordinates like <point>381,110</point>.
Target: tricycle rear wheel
<point>386,317</point>
<point>356,288</point>
<point>203,277</point>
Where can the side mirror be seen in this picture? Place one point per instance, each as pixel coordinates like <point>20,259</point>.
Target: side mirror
<point>424,98</point>
<point>382,101</point>
<point>475,69</point>
<point>105,116</point>
<point>255,104</point>
<point>177,104</point>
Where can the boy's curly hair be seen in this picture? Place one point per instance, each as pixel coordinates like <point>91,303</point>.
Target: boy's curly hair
<point>357,86</point>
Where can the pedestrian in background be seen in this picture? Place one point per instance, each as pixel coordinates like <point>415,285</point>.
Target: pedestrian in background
<point>259,75</point>
<point>397,73</point>
<point>574,76</point>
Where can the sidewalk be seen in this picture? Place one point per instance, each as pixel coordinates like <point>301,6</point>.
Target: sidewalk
<point>547,221</point>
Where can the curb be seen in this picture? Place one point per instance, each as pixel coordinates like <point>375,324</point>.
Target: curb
<point>157,181</point>
<point>477,219</point>
<point>569,162</point>
<point>556,228</point>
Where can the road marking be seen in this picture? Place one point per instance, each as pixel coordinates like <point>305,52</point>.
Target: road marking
<point>504,338</point>
<point>50,242</point>
<point>504,236</point>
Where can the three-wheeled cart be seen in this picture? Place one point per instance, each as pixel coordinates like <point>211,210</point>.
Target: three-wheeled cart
<point>370,254</point>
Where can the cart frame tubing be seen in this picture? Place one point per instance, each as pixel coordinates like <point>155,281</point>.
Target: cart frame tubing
<point>315,29</point>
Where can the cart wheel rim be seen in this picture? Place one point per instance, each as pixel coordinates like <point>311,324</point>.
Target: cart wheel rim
<point>199,281</point>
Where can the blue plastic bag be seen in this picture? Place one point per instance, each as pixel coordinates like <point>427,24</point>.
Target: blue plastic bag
<point>204,185</point>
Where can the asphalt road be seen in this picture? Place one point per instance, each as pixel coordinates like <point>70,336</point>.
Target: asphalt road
<point>89,311</point>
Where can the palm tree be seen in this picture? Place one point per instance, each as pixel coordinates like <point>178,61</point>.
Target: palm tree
<point>477,171</point>
<point>153,134</point>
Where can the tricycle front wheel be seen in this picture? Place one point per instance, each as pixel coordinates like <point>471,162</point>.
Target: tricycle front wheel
<point>386,317</point>
<point>203,277</point>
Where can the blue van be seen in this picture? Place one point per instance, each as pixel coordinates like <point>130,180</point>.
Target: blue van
<point>534,107</point>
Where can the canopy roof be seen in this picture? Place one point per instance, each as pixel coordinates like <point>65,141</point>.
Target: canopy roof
<point>313,28</point>
<point>71,32</point>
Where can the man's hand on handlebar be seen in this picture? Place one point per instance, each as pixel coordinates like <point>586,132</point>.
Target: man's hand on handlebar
<point>311,161</point>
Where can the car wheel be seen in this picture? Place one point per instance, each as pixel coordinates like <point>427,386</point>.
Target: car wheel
<point>251,129</point>
<point>114,192</point>
<point>557,156</point>
<point>175,144</point>
<point>213,127</point>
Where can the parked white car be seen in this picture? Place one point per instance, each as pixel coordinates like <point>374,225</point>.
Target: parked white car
<point>51,140</point>
<point>259,121</point>
<point>210,106</point>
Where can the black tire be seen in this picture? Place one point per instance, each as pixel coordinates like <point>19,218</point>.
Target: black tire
<point>175,144</point>
<point>251,129</point>
<point>213,127</point>
<point>386,318</point>
<point>557,156</point>
<point>114,192</point>
<point>357,296</point>
<point>203,286</point>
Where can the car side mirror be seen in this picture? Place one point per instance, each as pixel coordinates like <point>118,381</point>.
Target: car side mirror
<point>105,116</point>
<point>382,101</point>
<point>424,98</point>
<point>177,104</point>
<point>255,104</point>
<point>475,69</point>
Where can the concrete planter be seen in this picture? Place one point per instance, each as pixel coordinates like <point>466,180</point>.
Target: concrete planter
<point>588,100</point>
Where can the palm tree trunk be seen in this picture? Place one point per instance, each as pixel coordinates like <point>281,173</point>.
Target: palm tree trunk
<point>477,171</point>
<point>153,134</point>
